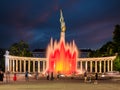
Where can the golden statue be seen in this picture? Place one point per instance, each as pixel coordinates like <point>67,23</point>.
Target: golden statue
<point>63,27</point>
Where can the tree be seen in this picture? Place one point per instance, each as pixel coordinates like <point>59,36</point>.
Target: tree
<point>2,60</point>
<point>116,64</point>
<point>20,49</point>
<point>2,64</point>
<point>111,48</point>
<point>116,39</point>
<point>116,42</point>
<point>107,49</point>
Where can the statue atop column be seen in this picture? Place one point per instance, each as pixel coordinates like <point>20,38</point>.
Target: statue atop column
<point>63,27</point>
<point>7,53</point>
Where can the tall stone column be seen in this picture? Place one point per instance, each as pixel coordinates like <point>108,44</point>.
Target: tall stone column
<point>95,66</point>
<point>90,66</point>
<point>81,66</point>
<point>44,65</point>
<point>28,65</point>
<point>111,65</point>
<point>24,65</point>
<point>100,67</point>
<point>13,65</point>
<point>33,65</point>
<point>108,66</point>
<point>20,66</point>
<point>86,65</point>
<point>10,65</point>
<point>38,66</point>
<point>16,65</point>
<point>104,66</point>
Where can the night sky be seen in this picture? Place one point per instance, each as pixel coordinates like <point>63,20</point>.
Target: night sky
<point>89,22</point>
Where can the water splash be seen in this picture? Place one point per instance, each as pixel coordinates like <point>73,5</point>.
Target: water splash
<point>62,57</point>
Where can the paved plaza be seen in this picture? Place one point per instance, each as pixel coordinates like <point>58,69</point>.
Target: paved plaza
<point>62,84</point>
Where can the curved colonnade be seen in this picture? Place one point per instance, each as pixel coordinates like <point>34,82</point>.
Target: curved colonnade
<point>31,64</point>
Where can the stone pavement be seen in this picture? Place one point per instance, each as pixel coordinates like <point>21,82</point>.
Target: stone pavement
<point>21,79</point>
<point>42,79</point>
<point>62,84</point>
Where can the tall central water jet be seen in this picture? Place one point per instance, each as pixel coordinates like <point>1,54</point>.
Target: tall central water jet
<point>62,56</point>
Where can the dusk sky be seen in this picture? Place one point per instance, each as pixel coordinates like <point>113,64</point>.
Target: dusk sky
<point>89,22</point>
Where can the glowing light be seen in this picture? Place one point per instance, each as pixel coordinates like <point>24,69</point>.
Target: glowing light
<point>62,57</point>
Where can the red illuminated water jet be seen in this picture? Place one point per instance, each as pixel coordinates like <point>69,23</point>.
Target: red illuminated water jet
<point>62,56</point>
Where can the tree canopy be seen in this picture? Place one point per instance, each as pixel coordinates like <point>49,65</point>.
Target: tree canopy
<point>116,39</point>
<point>20,49</point>
<point>117,64</point>
<point>110,48</point>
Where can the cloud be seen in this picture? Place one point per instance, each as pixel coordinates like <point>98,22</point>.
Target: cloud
<point>90,23</point>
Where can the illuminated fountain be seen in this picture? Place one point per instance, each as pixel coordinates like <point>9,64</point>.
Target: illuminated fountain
<point>62,56</point>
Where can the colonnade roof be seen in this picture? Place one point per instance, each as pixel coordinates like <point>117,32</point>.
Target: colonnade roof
<point>25,58</point>
<point>78,59</point>
<point>97,58</point>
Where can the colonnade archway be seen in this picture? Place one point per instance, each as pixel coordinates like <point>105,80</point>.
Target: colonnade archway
<point>30,64</point>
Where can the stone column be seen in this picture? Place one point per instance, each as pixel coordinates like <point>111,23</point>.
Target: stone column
<point>24,65</point>
<point>20,66</point>
<point>104,66</point>
<point>90,66</point>
<point>38,66</point>
<point>108,66</point>
<point>33,65</point>
<point>13,66</point>
<point>16,65</point>
<point>10,65</point>
<point>28,65</point>
<point>44,66</point>
<point>96,66</point>
<point>111,65</point>
<point>81,66</point>
<point>100,67</point>
<point>86,63</point>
